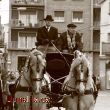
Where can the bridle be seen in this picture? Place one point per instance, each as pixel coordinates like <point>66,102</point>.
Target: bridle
<point>81,71</point>
<point>28,68</point>
<point>37,69</point>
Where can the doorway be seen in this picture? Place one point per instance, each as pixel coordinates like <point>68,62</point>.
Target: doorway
<point>21,62</point>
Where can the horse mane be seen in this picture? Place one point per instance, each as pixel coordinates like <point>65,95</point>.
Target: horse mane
<point>77,61</point>
<point>36,52</point>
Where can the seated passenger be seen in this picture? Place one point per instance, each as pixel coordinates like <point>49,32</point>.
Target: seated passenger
<point>70,40</point>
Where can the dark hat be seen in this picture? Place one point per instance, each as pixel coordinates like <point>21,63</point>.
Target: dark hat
<point>49,18</point>
<point>71,25</point>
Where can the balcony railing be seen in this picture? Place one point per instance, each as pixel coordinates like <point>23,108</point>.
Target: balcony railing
<point>27,2</point>
<point>19,23</point>
<point>18,45</point>
<point>106,47</point>
<point>96,46</point>
<point>13,44</point>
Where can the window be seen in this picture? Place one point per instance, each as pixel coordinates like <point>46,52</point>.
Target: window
<point>59,16</point>
<point>21,62</point>
<point>26,40</point>
<point>28,17</point>
<point>77,16</point>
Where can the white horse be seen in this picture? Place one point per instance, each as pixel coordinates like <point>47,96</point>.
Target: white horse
<point>28,95</point>
<point>80,84</point>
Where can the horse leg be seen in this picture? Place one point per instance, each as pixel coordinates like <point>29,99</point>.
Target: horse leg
<point>39,101</point>
<point>91,108</point>
<point>87,102</point>
<point>70,103</point>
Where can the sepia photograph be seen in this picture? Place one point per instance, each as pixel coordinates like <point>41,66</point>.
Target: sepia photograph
<point>54,54</point>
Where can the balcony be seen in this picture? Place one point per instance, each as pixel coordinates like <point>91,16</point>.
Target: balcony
<point>16,23</point>
<point>14,45</point>
<point>106,47</point>
<point>96,47</point>
<point>28,2</point>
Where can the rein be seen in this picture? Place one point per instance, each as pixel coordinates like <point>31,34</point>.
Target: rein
<point>60,53</point>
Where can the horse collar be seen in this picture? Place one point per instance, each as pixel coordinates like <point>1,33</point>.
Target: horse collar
<point>37,79</point>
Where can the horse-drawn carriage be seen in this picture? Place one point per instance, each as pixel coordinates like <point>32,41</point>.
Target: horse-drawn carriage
<point>58,66</point>
<point>54,80</point>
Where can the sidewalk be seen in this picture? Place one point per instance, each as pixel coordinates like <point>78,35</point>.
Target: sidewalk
<point>103,100</point>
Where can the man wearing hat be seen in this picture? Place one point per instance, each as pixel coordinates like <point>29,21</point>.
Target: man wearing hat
<point>70,40</point>
<point>46,35</point>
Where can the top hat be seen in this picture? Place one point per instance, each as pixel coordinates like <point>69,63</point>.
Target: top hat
<point>49,18</point>
<point>71,25</point>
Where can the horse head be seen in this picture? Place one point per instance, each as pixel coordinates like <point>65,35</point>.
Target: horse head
<point>80,69</point>
<point>37,65</point>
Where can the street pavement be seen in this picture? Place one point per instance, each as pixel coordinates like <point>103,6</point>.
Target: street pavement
<point>103,100</point>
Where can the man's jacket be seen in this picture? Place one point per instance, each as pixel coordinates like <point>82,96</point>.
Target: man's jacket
<point>63,43</point>
<point>44,36</point>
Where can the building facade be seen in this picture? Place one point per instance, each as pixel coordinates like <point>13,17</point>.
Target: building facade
<point>105,44</point>
<point>27,15</point>
<point>3,53</point>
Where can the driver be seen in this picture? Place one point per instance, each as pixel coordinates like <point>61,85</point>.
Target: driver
<point>46,34</point>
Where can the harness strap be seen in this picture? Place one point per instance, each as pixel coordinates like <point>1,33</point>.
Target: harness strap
<point>81,80</point>
<point>87,92</point>
<point>37,79</point>
<point>24,89</point>
<point>75,93</point>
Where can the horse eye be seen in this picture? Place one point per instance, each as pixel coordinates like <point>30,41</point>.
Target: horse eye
<point>43,56</point>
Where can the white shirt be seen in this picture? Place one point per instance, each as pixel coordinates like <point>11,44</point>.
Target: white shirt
<point>48,28</point>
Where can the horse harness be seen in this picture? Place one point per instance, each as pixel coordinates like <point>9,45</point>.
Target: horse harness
<point>75,93</point>
<point>87,92</point>
<point>26,69</point>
